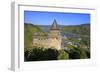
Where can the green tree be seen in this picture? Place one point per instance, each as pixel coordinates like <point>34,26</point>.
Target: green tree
<point>77,53</point>
<point>63,55</point>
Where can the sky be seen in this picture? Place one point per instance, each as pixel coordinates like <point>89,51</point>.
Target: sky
<point>47,18</point>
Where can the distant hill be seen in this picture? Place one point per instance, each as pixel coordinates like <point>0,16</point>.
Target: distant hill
<point>83,29</point>
<point>47,27</point>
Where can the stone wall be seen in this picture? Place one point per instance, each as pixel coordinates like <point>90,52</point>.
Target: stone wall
<point>47,42</point>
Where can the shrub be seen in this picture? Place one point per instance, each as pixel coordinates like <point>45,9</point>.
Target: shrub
<point>63,55</point>
<point>77,53</point>
<point>39,54</point>
<point>50,54</point>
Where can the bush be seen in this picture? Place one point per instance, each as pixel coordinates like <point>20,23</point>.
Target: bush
<point>78,53</point>
<point>39,54</point>
<point>63,55</point>
<point>50,54</point>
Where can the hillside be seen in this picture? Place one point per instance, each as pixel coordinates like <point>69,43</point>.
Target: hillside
<point>82,31</point>
<point>29,29</point>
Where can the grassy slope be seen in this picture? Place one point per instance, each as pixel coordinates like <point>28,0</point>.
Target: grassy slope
<point>29,29</point>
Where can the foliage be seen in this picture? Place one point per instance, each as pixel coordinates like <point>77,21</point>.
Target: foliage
<point>39,54</point>
<point>78,53</point>
<point>63,55</point>
<point>85,41</point>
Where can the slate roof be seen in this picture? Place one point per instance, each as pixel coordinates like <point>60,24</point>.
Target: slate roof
<point>54,26</point>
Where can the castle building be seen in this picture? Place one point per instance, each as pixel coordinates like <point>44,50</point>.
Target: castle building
<point>51,40</point>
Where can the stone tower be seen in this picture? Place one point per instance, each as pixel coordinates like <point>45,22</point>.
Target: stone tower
<point>54,32</point>
<point>51,40</point>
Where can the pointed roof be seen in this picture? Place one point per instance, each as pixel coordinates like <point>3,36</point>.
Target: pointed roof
<point>54,26</point>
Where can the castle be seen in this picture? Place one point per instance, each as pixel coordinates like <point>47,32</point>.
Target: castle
<point>51,40</point>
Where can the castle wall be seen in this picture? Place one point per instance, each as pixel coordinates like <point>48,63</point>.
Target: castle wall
<point>51,42</point>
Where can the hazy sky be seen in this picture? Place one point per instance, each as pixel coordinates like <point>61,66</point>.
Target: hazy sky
<point>46,18</point>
